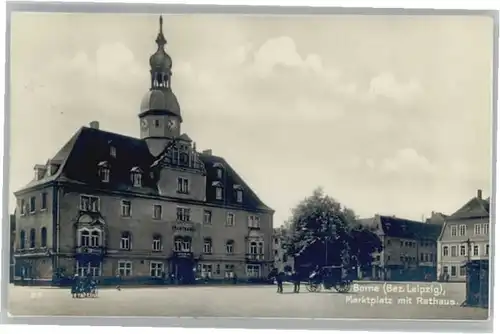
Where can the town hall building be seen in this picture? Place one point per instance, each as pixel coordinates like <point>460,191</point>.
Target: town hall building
<point>109,204</point>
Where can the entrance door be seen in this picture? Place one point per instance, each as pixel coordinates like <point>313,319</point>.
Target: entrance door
<point>183,271</point>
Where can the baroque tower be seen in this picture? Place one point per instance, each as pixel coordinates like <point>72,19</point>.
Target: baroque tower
<point>160,114</point>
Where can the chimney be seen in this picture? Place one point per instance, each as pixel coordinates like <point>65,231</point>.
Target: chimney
<point>207,152</point>
<point>479,194</point>
<point>94,125</point>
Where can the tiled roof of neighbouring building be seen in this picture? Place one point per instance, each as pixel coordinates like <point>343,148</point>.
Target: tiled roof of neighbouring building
<point>402,228</point>
<point>78,161</point>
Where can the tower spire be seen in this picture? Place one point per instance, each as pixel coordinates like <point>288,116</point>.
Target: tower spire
<point>160,40</point>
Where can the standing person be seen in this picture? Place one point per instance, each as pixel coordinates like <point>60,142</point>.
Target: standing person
<point>296,281</point>
<point>235,278</point>
<point>118,282</point>
<point>74,286</point>
<point>279,281</point>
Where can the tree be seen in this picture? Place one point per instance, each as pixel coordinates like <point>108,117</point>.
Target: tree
<point>322,232</point>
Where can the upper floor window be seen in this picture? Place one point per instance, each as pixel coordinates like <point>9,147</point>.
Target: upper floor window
<point>44,201</point>
<point>254,248</point>
<point>43,237</point>
<point>112,151</point>
<point>126,207</point>
<point>207,246</point>
<point>182,244</point>
<point>126,241</point>
<point>157,123</point>
<point>230,219</point>
<point>485,229</point>
<point>219,169</point>
<point>157,211</point>
<point>454,251</point>
<point>453,230</point>
<point>157,246</point>
<point>207,217</point>
<point>32,238</point>
<point>487,249</point>
<point>22,208</point>
<point>32,204</point>
<point>182,185</point>
<point>254,221</point>
<point>230,247</point>
<point>219,173</point>
<point>89,203</point>
<point>476,250</point>
<point>477,229</point>
<point>462,250</point>
<point>183,214</point>
<point>104,171</point>
<point>462,230</point>
<point>22,239</point>
<point>95,238</point>
<point>136,176</point>
<point>445,251</point>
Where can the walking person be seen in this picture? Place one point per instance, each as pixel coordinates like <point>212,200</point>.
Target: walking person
<point>118,282</point>
<point>279,281</point>
<point>296,281</point>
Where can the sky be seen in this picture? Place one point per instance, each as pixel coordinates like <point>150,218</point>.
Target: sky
<point>388,114</point>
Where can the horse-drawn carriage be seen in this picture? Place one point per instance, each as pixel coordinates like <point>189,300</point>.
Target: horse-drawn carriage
<point>329,277</point>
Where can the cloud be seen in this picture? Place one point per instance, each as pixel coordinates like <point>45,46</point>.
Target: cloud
<point>387,86</point>
<point>407,160</point>
<point>282,51</point>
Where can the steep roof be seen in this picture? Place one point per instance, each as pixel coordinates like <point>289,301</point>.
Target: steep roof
<point>89,147</point>
<point>475,208</point>
<point>408,229</point>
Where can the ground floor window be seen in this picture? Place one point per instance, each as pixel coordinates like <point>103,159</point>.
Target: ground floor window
<point>453,270</point>
<point>88,269</point>
<point>253,270</point>
<point>463,271</point>
<point>125,268</point>
<point>229,271</point>
<point>156,269</point>
<point>206,270</point>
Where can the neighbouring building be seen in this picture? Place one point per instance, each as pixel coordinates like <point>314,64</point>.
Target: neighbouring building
<point>409,249</point>
<point>12,238</point>
<point>282,261</point>
<point>465,234</point>
<point>436,218</point>
<point>154,206</point>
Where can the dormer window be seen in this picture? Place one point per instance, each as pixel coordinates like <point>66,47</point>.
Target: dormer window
<point>104,171</point>
<point>136,176</point>
<point>219,169</point>
<point>238,192</point>
<point>112,151</point>
<point>218,190</point>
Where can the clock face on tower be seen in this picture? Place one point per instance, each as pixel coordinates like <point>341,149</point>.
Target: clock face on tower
<point>144,124</point>
<point>172,124</point>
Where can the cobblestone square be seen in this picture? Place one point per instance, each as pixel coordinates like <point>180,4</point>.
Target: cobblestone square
<point>243,301</point>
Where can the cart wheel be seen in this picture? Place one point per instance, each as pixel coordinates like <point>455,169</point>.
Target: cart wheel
<point>343,287</point>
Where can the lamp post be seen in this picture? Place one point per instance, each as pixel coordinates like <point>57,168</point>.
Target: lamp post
<point>467,273</point>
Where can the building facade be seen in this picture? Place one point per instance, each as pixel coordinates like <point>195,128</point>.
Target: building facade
<point>465,235</point>
<point>108,204</point>
<point>282,262</point>
<point>409,249</point>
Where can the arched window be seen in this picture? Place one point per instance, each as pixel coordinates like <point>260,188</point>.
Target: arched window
<point>253,248</point>
<point>43,234</point>
<point>84,238</point>
<point>184,159</point>
<point>104,171</point>
<point>126,241</point>
<point>32,238</point>
<point>22,239</point>
<point>445,251</point>
<point>182,244</point>
<point>95,239</point>
<point>136,176</point>
<point>157,246</point>
<point>230,247</point>
<point>207,246</point>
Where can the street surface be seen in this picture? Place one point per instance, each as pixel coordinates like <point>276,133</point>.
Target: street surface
<point>369,301</point>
